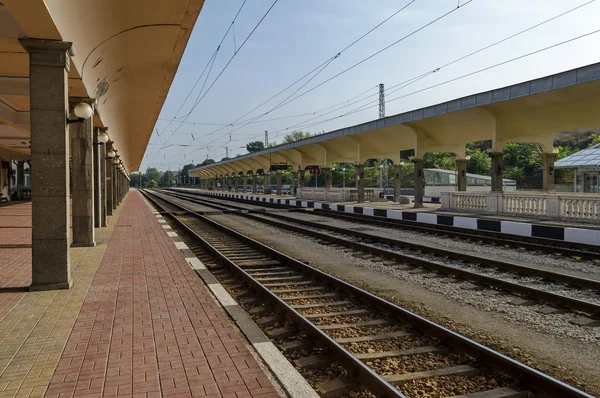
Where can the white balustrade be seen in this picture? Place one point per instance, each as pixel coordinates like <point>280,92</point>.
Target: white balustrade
<point>575,206</point>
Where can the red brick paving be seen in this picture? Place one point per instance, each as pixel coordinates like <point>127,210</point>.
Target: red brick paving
<point>148,326</point>
<point>15,263</point>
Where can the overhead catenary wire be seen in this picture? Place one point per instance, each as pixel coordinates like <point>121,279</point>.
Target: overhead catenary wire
<point>365,107</point>
<point>320,68</point>
<point>415,79</point>
<point>209,61</point>
<point>280,105</point>
<point>201,97</point>
<point>453,62</point>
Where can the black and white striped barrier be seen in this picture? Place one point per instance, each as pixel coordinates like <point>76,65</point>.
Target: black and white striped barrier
<point>568,234</point>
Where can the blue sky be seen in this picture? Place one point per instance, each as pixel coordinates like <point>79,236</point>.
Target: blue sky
<point>298,36</point>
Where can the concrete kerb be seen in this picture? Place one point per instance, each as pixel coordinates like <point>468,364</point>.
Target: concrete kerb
<point>567,234</point>
<point>285,373</point>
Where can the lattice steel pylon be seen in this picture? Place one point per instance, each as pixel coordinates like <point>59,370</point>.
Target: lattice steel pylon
<point>381,101</point>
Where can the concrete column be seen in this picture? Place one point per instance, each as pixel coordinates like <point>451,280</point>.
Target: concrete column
<point>20,176</point>
<point>115,182</point>
<point>102,163</point>
<point>301,176</point>
<point>266,182</point>
<point>497,170</point>
<point>254,182</point>
<point>51,212</point>
<point>397,181</point>
<point>294,182</point>
<point>548,159</point>
<point>419,182</point>
<point>97,181</point>
<point>461,174</point>
<point>328,177</point>
<point>245,183</point>
<point>279,177</point>
<point>82,177</point>
<point>108,170</point>
<point>360,182</point>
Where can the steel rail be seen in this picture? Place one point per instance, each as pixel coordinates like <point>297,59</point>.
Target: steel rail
<point>526,291</point>
<point>491,237</point>
<point>528,376</point>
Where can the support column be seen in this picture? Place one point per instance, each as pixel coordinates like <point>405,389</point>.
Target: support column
<point>294,182</point>
<point>328,177</point>
<point>397,181</point>
<point>497,170</point>
<point>419,183</point>
<point>461,174</point>
<point>548,159</point>
<point>51,210</point>
<point>97,181</point>
<point>82,177</point>
<point>254,182</point>
<point>301,180</point>
<point>102,162</point>
<point>266,182</point>
<point>20,178</point>
<point>245,183</point>
<point>278,179</point>
<point>360,182</point>
<point>108,170</point>
<point>115,190</point>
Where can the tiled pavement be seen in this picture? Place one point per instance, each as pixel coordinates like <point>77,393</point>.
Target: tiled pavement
<point>138,322</point>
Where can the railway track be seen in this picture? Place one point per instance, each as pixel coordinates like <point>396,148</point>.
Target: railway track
<point>384,348</point>
<point>557,289</point>
<point>545,245</point>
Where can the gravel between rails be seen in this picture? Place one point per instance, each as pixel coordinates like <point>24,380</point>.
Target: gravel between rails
<point>395,344</point>
<point>549,343</point>
<point>418,363</point>
<point>587,269</point>
<point>447,386</point>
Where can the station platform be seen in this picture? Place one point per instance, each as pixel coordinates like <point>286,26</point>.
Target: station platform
<point>137,322</point>
<point>577,231</point>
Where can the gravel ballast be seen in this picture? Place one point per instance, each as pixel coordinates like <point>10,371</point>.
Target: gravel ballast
<point>548,342</point>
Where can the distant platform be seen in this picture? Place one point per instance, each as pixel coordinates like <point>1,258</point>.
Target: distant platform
<point>565,230</point>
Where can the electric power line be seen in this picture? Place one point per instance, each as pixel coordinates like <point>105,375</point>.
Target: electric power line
<point>320,68</point>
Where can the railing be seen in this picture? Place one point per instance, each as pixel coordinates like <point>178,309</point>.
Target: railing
<point>574,206</point>
<point>526,205</point>
<point>581,208</point>
<point>470,202</point>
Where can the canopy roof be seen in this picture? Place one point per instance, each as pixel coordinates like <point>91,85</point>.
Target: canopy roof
<point>527,112</point>
<point>126,56</point>
<point>589,157</point>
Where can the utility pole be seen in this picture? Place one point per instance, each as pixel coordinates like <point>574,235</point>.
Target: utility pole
<point>226,151</point>
<point>381,116</point>
<point>266,139</point>
<point>381,101</point>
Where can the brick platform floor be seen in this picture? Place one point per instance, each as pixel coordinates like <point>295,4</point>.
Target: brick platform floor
<point>137,322</point>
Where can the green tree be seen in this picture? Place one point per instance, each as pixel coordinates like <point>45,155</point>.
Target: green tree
<point>480,162</point>
<point>255,146</point>
<point>152,184</point>
<point>166,180</point>
<point>296,136</point>
<point>152,173</point>
<point>523,163</point>
<point>595,140</point>
<point>439,160</point>
<point>206,161</point>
